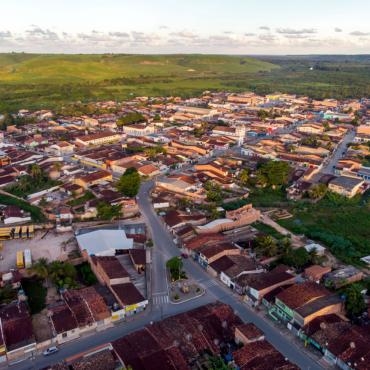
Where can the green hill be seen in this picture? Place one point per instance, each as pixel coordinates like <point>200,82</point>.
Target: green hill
<point>35,80</point>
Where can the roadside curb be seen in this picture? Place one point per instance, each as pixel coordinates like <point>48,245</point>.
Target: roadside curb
<point>189,299</point>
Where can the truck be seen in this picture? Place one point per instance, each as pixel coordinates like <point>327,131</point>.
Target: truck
<point>20,260</point>
<point>27,258</point>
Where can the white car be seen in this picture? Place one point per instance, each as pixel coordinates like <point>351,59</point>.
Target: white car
<point>50,351</point>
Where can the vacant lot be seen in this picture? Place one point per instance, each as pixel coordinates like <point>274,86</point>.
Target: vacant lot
<point>341,224</point>
<point>52,246</point>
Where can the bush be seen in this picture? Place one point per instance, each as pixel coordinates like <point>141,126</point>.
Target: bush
<point>86,274</point>
<point>36,293</point>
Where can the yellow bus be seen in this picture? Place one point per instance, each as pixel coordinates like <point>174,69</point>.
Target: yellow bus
<point>20,260</point>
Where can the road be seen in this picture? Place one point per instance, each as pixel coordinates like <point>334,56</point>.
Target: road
<point>166,248</point>
<point>160,308</point>
<point>338,152</point>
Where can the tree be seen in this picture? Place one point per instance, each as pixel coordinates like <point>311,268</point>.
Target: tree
<point>285,246</point>
<point>297,258</point>
<point>41,268</point>
<point>63,274</point>
<point>355,303</point>
<point>243,177</point>
<point>130,118</point>
<point>317,191</point>
<point>213,191</point>
<point>273,173</point>
<point>108,211</point>
<point>36,172</point>
<point>266,246</point>
<point>175,266</point>
<point>129,183</point>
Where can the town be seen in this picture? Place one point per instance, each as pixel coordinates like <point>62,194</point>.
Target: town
<point>228,230</point>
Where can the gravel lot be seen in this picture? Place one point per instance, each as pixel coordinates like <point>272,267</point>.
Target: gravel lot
<point>50,247</point>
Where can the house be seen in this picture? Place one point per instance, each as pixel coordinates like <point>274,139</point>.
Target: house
<point>103,242</point>
<point>98,358</point>
<point>323,329</point>
<point>129,297</point>
<point>242,216</point>
<point>261,355</point>
<point>210,253</point>
<point>138,259</point>
<point>343,276</point>
<point>61,148</point>
<point>94,178</point>
<point>148,170</point>
<point>230,267</point>
<point>14,214</point>
<point>109,270</point>
<point>316,272</point>
<point>100,138</point>
<point>138,130</point>
<point>349,349</point>
<point>63,322</point>
<point>248,333</point>
<point>301,303</point>
<point>17,332</point>
<point>256,286</point>
<point>346,186</point>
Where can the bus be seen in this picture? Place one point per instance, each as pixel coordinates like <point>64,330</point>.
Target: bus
<point>20,260</point>
<point>27,258</point>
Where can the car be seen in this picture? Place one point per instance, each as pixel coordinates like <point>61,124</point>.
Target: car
<point>184,255</point>
<point>50,351</point>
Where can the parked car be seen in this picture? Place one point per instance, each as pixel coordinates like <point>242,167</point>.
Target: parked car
<point>50,351</point>
<point>184,255</point>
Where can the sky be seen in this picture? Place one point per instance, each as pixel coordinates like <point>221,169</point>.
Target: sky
<point>186,26</point>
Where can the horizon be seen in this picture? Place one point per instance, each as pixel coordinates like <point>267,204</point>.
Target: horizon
<point>238,27</point>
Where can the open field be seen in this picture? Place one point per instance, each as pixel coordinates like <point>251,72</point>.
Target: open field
<point>32,80</point>
<point>343,225</point>
<point>51,80</point>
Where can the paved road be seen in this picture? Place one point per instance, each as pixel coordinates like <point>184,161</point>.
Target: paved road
<point>215,289</point>
<point>337,154</point>
<point>160,308</point>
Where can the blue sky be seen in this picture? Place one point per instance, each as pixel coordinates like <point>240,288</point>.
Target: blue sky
<point>201,26</point>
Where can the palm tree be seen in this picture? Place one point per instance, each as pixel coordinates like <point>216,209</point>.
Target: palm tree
<point>285,246</point>
<point>35,171</point>
<point>266,246</point>
<point>41,268</point>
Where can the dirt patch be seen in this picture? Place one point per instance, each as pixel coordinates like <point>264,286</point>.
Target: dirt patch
<point>41,326</point>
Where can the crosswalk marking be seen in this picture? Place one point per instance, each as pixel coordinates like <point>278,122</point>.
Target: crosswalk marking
<point>208,283</point>
<point>160,299</point>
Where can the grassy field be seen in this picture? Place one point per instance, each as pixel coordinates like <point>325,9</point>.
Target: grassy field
<point>49,81</point>
<point>342,225</point>
<point>32,80</point>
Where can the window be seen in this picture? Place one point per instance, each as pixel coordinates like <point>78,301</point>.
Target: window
<point>64,335</point>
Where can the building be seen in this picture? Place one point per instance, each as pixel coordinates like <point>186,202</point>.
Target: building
<point>302,303</point>
<point>138,130</point>
<point>343,276</point>
<point>100,138</point>
<point>240,217</point>
<point>17,332</point>
<point>94,178</point>
<point>346,186</point>
<point>103,242</point>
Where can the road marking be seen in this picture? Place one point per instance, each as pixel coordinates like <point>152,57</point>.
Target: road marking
<point>208,283</point>
<point>160,299</point>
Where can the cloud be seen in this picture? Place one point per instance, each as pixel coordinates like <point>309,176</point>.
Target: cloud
<point>359,33</point>
<point>265,28</point>
<point>184,34</point>
<point>119,34</point>
<point>292,31</point>
<point>5,34</point>
<point>40,33</point>
<point>337,29</point>
<point>248,34</point>
<point>267,37</point>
